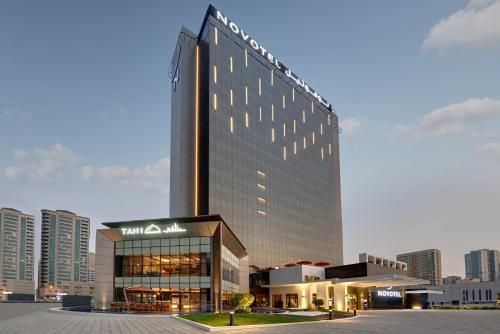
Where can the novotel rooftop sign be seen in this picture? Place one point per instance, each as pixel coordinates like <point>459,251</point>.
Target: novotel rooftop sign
<point>388,293</point>
<point>152,229</point>
<point>266,54</point>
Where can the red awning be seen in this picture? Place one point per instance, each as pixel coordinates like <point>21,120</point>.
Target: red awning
<point>140,289</point>
<point>322,264</point>
<point>290,265</point>
<point>304,262</point>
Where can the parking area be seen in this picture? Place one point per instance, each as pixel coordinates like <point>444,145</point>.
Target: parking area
<point>36,318</point>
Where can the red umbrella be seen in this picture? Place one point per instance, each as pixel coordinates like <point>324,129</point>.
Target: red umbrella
<point>290,265</point>
<point>322,264</point>
<point>304,262</point>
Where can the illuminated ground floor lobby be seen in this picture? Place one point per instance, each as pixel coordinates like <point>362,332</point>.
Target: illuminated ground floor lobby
<point>297,287</point>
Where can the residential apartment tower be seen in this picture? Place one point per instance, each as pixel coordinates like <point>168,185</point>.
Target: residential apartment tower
<point>425,264</point>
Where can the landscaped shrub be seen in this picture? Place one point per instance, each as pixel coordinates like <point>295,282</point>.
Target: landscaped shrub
<point>241,301</point>
<point>318,302</point>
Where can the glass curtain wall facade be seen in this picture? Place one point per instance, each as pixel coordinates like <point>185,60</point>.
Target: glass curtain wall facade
<point>265,154</point>
<point>16,245</point>
<point>177,269</point>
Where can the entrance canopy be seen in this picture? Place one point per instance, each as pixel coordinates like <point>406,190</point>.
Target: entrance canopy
<point>374,281</point>
<point>380,281</point>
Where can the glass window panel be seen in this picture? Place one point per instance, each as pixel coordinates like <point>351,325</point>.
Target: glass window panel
<point>205,240</point>
<point>165,242</point>
<point>194,240</point>
<point>119,244</point>
<point>146,250</point>
<point>184,241</point>
<point>174,242</point>
<point>155,250</point>
<point>128,244</point>
<point>155,242</point>
<point>146,243</point>
<point>137,243</point>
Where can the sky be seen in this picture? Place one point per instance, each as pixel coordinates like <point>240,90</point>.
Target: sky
<point>85,110</point>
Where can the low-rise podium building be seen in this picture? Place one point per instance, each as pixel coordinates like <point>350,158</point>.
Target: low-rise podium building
<point>188,264</point>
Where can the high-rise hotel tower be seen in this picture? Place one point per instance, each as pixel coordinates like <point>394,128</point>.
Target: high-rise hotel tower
<point>253,142</point>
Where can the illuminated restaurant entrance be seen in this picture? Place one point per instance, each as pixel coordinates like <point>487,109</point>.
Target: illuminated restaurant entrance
<point>170,265</point>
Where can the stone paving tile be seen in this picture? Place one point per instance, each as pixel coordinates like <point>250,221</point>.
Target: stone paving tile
<point>28,319</point>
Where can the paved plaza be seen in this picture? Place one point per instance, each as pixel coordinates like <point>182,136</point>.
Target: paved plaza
<point>37,319</point>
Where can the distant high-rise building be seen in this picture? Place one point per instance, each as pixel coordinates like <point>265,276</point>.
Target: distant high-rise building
<point>64,249</point>
<point>483,264</point>
<point>91,267</point>
<point>16,246</point>
<point>425,264</point>
<point>451,279</point>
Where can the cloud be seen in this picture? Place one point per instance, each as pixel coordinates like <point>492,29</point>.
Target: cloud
<point>491,150</point>
<point>44,164</point>
<point>20,154</point>
<point>15,114</point>
<point>476,25</point>
<point>453,119</point>
<point>153,177</point>
<point>350,126</point>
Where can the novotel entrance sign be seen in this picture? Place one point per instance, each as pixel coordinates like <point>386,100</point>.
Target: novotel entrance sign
<point>152,229</point>
<point>385,293</point>
<point>266,54</point>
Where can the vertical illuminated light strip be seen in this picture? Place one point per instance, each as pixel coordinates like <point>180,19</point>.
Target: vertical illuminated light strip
<point>260,114</point>
<point>260,87</point>
<point>215,74</point>
<point>272,112</point>
<point>294,147</point>
<point>284,100</point>
<point>330,149</point>
<point>322,154</point>
<point>272,135</point>
<point>246,58</point>
<point>215,101</point>
<point>272,77</point>
<point>305,142</point>
<point>321,128</point>
<point>196,127</point>
<point>303,116</point>
<point>294,126</point>
<point>216,36</point>
<point>284,130</point>
<point>246,95</point>
<point>231,124</point>
<point>312,107</point>
<point>246,119</point>
<point>329,120</point>
<point>231,97</point>
<point>293,94</point>
<point>313,138</point>
<point>284,152</point>
<point>231,64</point>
